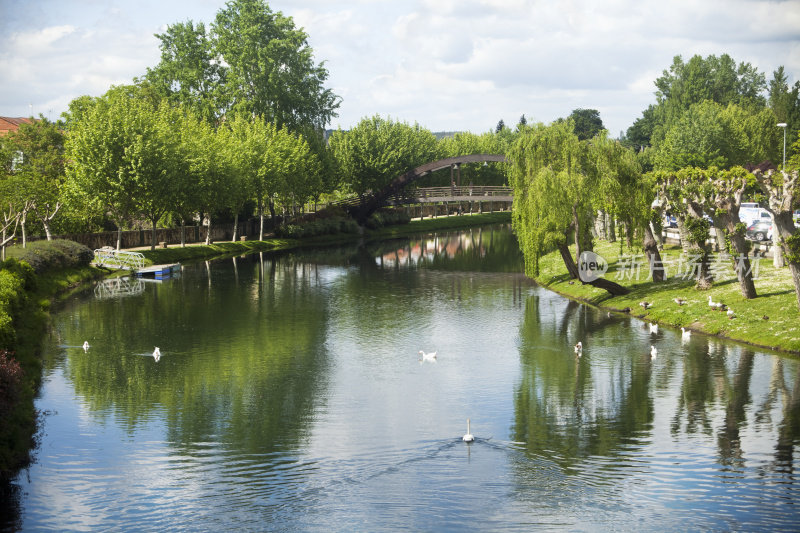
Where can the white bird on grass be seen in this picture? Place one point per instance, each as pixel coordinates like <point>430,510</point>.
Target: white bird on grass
<point>428,356</point>
<point>715,305</point>
<point>469,437</point>
<point>85,346</point>
<point>730,313</point>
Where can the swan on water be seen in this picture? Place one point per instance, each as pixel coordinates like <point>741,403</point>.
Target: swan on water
<point>686,333</point>
<point>653,352</point>
<point>85,346</point>
<point>579,348</point>
<point>653,328</point>
<point>469,437</point>
<point>428,356</point>
<point>156,354</point>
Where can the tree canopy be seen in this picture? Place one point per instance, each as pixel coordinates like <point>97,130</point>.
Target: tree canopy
<point>252,61</point>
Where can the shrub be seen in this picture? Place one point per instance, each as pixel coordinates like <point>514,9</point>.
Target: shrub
<point>51,255</point>
<point>10,383</point>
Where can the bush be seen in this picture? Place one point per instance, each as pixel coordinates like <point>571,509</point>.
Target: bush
<point>13,277</point>
<point>327,225</point>
<point>51,255</point>
<point>10,383</point>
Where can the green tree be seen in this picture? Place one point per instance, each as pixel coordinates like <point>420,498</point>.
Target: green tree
<point>124,158</point>
<point>587,123</point>
<point>785,103</point>
<point>684,84</point>
<point>270,67</point>
<point>189,73</point>
<point>37,156</point>
<point>377,150</point>
<point>710,134</point>
<point>553,187</point>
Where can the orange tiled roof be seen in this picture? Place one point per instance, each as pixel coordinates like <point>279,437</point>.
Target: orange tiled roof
<point>8,124</point>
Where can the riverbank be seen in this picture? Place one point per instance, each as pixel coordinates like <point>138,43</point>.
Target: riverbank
<point>771,320</point>
<point>176,253</point>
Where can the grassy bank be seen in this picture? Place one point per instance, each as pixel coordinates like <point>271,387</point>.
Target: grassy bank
<point>771,320</point>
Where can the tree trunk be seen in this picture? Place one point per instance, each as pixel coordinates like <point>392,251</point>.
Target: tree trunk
<point>260,220</point>
<point>569,262</point>
<point>777,255</point>
<point>183,234</point>
<point>741,263</point>
<point>46,226</point>
<point>119,235</point>
<point>685,244</point>
<point>615,289</point>
<point>23,219</point>
<point>235,226</point>
<point>612,230</point>
<point>784,228</point>
<point>653,256</point>
<point>153,234</point>
<point>208,233</point>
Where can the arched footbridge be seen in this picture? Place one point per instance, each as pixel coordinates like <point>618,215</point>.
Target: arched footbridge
<point>370,204</point>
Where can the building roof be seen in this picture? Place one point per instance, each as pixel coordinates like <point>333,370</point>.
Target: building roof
<point>8,124</point>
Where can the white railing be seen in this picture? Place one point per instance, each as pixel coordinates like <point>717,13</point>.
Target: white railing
<point>119,259</point>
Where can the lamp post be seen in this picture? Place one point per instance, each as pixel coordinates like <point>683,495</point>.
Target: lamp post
<point>783,125</point>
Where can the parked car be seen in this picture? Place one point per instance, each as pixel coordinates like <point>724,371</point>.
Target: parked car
<point>760,230</point>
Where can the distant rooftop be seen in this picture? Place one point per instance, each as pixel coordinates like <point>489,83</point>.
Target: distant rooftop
<point>8,124</point>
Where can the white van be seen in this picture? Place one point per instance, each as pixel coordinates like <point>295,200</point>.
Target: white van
<point>752,212</point>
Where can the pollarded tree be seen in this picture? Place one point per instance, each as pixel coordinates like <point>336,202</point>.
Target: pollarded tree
<point>728,188</point>
<point>553,187</point>
<point>378,150</point>
<point>783,190</point>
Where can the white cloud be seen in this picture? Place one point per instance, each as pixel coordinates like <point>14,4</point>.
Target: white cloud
<point>448,64</point>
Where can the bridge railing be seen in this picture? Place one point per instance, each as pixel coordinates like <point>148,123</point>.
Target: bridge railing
<point>451,192</point>
<point>120,259</point>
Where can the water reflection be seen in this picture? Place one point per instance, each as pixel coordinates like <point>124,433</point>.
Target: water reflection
<point>291,395</point>
<point>598,421</point>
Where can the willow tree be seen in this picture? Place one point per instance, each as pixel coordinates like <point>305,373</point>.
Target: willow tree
<point>553,191</point>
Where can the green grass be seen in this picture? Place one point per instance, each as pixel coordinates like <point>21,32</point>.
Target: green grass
<point>776,299</point>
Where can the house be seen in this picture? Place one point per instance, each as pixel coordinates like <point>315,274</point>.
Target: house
<point>9,124</point>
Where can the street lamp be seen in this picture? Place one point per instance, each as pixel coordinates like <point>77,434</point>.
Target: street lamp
<point>783,125</point>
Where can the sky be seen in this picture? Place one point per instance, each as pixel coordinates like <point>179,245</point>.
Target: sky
<point>448,65</point>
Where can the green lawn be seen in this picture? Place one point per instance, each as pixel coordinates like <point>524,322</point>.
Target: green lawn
<point>770,320</point>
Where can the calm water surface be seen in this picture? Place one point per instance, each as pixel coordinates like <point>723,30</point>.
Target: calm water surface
<point>290,396</point>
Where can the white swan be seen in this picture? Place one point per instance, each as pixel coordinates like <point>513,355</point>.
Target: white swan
<point>653,328</point>
<point>579,348</point>
<point>653,352</point>
<point>686,333</point>
<point>85,346</point>
<point>469,437</point>
<point>156,354</point>
<point>428,356</point>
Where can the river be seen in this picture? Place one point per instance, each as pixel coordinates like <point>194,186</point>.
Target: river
<point>290,396</point>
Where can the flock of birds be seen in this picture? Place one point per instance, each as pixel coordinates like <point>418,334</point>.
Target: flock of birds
<point>156,352</point>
